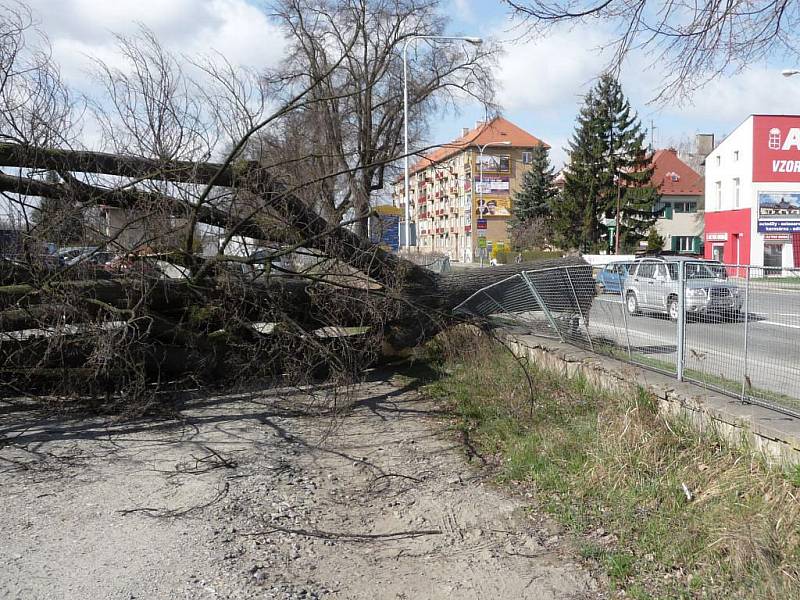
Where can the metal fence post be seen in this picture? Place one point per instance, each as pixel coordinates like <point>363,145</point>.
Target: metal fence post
<point>538,298</point>
<point>745,376</point>
<point>681,341</point>
<point>625,318</point>
<point>580,310</point>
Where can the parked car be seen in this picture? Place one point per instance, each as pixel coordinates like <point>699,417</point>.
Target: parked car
<point>652,286</point>
<point>98,258</point>
<point>70,255</point>
<point>611,277</point>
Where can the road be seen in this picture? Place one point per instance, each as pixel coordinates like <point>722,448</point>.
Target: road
<point>714,346</point>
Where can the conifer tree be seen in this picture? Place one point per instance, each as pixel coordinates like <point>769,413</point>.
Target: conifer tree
<point>537,189</point>
<point>609,167</point>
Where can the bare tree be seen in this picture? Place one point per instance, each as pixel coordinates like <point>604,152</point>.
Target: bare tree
<point>309,298</point>
<point>691,43</point>
<point>355,125</point>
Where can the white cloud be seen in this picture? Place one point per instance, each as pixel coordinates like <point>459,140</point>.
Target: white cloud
<point>757,90</point>
<point>546,73</point>
<point>83,29</point>
<point>462,10</point>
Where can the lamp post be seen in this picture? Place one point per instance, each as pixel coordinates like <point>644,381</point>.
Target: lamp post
<point>481,205</point>
<point>472,40</point>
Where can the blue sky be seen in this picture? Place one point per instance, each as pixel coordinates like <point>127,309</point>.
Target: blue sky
<point>540,81</point>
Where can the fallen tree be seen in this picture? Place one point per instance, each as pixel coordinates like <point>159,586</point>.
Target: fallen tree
<point>206,324</point>
<point>286,294</point>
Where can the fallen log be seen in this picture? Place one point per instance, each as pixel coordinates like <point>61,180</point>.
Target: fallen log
<point>206,322</point>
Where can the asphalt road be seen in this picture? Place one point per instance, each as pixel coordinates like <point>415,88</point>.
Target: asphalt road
<point>715,347</point>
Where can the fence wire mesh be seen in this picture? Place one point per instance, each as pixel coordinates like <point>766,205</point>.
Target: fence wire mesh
<point>731,328</point>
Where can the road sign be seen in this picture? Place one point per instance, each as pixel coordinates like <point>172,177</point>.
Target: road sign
<point>481,242</point>
<point>482,224</point>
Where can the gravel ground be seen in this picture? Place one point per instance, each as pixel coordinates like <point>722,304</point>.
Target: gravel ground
<point>259,496</point>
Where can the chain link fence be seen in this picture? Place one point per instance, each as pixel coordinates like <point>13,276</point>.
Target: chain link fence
<point>733,328</point>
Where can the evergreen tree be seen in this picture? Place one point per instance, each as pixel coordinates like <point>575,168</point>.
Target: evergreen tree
<point>609,167</point>
<point>536,190</point>
<point>655,242</point>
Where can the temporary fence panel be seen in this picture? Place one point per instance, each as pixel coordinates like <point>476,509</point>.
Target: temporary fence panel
<point>735,329</point>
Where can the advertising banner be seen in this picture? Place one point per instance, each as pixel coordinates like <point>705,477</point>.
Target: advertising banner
<point>492,184</point>
<point>492,162</point>
<point>494,207</point>
<point>776,148</point>
<point>779,212</point>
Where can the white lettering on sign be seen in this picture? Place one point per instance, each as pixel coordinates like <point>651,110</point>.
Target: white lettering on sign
<point>786,166</point>
<point>792,139</point>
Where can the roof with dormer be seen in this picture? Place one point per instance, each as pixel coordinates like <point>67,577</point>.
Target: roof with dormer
<point>673,177</point>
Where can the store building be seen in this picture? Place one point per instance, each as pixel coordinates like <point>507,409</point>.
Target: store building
<point>680,204</point>
<point>461,194</point>
<point>752,194</point>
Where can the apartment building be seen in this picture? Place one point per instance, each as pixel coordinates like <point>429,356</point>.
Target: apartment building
<point>460,195</point>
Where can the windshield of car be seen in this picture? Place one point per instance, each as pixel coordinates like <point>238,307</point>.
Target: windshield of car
<point>705,271</point>
<point>698,270</point>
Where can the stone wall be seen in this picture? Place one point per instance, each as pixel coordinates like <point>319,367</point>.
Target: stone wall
<point>774,435</point>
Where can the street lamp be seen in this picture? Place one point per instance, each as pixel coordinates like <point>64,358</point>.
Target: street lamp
<point>481,148</point>
<point>472,40</point>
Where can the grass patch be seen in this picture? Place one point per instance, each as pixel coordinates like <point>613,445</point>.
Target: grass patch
<point>608,464</point>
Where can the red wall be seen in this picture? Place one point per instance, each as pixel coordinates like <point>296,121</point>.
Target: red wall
<point>776,158</point>
<point>730,222</point>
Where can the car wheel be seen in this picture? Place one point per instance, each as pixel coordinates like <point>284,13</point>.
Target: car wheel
<point>632,304</point>
<point>672,309</point>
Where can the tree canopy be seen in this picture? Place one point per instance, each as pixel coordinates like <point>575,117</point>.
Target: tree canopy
<point>608,176</point>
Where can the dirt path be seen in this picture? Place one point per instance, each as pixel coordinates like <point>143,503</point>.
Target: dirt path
<point>252,498</point>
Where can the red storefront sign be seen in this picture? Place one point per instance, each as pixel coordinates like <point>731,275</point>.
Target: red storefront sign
<point>776,148</point>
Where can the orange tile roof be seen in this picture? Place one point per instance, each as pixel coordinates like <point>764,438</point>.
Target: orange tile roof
<point>496,130</point>
<point>673,177</point>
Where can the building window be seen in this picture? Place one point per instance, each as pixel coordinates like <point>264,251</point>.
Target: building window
<point>684,243</point>
<point>686,207</point>
<point>736,192</point>
<point>718,185</point>
<point>735,156</point>
<point>527,158</point>
<point>719,160</point>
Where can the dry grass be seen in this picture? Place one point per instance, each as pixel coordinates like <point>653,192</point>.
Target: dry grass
<point>667,511</point>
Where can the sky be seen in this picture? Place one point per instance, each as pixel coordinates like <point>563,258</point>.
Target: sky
<point>540,81</point>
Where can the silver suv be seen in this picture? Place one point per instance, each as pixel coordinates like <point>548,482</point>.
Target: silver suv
<point>653,286</point>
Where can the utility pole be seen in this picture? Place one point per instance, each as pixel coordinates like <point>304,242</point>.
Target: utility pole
<point>652,135</point>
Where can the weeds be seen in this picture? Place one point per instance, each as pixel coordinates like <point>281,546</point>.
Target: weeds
<point>682,515</point>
